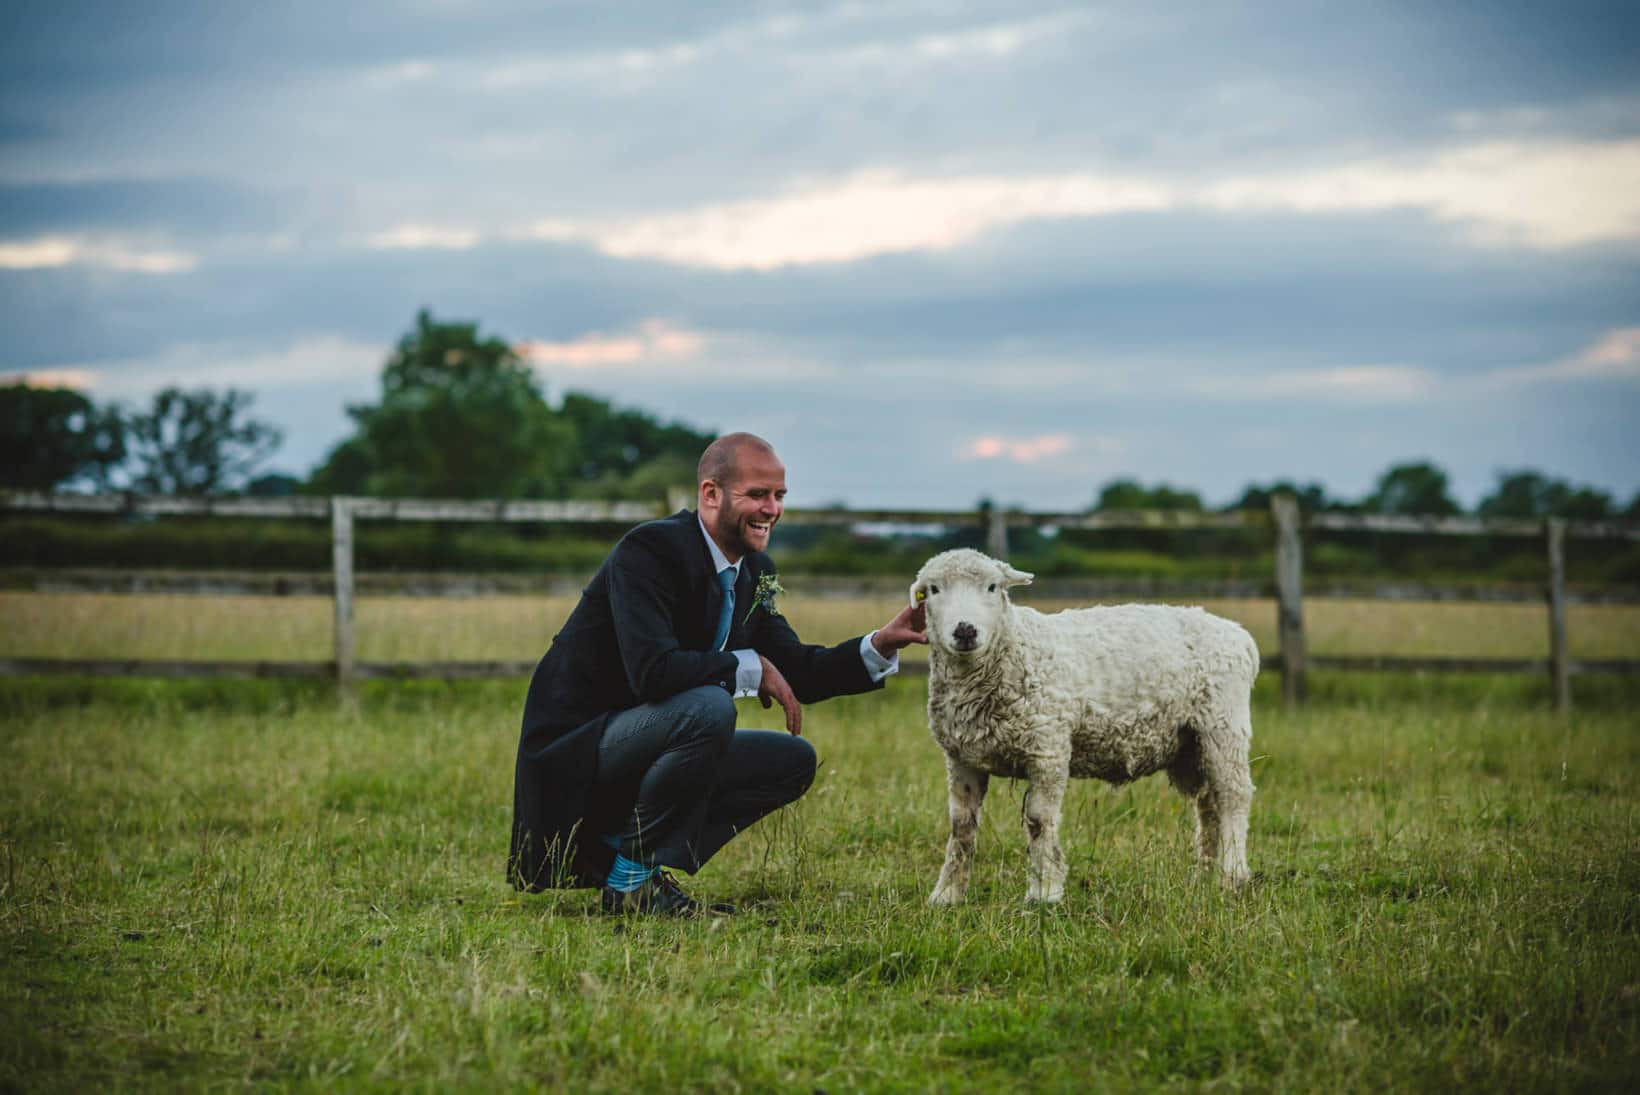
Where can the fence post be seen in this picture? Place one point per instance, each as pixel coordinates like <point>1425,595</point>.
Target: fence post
<point>1289,596</point>
<point>1560,676</point>
<point>996,533</point>
<point>341,550</point>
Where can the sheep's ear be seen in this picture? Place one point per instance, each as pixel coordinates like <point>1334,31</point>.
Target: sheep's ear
<point>1016,577</point>
<point>919,591</point>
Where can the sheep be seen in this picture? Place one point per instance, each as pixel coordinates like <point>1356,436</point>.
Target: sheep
<point>1111,693</point>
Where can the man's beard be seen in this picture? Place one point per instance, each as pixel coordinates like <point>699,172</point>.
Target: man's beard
<point>730,534</point>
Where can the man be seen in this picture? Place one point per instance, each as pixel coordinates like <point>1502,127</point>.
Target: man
<point>629,759</point>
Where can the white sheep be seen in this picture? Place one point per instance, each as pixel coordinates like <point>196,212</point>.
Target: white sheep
<point>1112,693</point>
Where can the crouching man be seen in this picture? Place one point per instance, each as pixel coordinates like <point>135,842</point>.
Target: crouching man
<point>629,759</point>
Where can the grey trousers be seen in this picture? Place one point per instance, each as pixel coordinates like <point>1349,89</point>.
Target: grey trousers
<point>700,781</point>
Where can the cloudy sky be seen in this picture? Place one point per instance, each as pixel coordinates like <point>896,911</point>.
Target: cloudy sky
<point>934,251</point>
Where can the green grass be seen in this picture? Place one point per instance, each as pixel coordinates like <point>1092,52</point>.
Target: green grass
<point>247,884</point>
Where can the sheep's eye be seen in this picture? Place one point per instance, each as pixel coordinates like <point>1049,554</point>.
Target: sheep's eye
<point>993,588</point>
<point>933,590</point>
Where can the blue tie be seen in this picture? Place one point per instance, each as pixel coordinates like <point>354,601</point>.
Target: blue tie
<point>726,579</point>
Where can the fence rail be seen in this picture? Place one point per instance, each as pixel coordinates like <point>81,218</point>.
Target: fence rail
<point>1283,522</point>
<point>435,584</point>
<point>574,511</point>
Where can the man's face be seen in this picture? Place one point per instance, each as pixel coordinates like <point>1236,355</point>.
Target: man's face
<point>741,513</point>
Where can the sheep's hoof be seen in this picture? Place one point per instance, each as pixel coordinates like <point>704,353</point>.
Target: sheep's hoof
<point>1045,898</point>
<point>1235,880</point>
<point>945,897</point>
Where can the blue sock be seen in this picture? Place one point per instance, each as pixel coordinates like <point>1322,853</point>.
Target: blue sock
<point>625,875</point>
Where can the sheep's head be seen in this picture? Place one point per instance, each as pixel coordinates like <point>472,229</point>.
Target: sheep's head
<point>965,595</point>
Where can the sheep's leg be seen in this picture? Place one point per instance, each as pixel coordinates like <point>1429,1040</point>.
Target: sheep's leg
<point>967,793</point>
<point>1207,827</point>
<point>1043,800</point>
<point>1187,777</point>
<point>1228,796</point>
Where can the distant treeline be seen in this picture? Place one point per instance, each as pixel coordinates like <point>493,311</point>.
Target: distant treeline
<point>459,416</point>
<point>194,543</point>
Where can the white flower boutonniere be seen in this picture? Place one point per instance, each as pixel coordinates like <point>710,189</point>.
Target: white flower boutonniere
<point>768,588</point>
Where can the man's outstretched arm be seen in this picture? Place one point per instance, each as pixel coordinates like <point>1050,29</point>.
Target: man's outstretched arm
<point>909,625</point>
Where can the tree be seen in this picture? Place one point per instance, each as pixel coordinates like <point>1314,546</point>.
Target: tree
<point>1418,489</point>
<point>617,443</point>
<point>1128,494</point>
<point>197,442</point>
<point>51,436</point>
<point>273,485</point>
<point>1528,495</point>
<point>1312,498</point>
<point>346,470</point>
<point>459,417</point>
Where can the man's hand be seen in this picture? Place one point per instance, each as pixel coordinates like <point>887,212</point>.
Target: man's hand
<point>774,689</point>
<point>908,627</point>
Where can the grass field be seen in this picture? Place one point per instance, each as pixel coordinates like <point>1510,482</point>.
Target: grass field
<point>241,884</point>
<point>76,625</point>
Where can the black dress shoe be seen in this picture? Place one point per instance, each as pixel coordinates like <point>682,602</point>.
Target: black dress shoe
<point>660,896</point>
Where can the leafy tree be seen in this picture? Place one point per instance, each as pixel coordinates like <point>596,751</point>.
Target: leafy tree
<point>196,442</point>
<point>460,416</point>
<point>1312,498</point>
<point>617,443</point>
<point>1418,489</point>
<point>273,485</point>
<point>50,436</point>
<point>1128,494</point>
<point>1527,494</point>
<point>1585,504</point>
<point>345,471</point>
<point>647,482</point>
<point>463,416</point>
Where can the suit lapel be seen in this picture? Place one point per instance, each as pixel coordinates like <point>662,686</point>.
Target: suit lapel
<point>745,586</point>
<point>704,597</point>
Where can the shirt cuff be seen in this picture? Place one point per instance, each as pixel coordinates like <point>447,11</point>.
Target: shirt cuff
<point>749,674</point>
<point>877,665</point>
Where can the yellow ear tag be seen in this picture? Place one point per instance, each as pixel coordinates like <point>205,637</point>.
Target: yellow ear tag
<point>922,595</point>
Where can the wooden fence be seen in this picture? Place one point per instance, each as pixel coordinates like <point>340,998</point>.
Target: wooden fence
<point>1283,521</point>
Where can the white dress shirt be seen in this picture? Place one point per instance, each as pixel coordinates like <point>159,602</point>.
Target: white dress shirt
<point>749,674</point>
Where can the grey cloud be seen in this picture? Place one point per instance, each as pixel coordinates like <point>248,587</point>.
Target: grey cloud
<point>773,96</point>
<point>218,124</point>
<point>114,43</point>
<point>184,206</point>
<point>1266,291</point>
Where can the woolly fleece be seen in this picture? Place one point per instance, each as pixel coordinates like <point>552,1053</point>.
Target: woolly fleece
<point>1111,692</point>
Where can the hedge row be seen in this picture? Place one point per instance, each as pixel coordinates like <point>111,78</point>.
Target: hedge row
<point>225,544</point>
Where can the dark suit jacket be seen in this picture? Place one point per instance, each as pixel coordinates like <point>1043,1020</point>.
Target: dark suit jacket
<point>640,634</point>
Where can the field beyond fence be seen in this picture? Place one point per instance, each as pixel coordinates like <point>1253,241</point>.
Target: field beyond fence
<point>516,629</point>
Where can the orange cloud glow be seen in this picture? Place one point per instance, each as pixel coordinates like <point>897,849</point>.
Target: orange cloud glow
<point>655,339</point>
<point>1026,450</point>
<point>78,379</point>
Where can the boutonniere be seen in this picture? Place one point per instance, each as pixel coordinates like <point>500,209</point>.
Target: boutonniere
<point>768,588</point>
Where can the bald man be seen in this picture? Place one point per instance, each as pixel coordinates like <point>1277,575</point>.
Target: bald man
<point>630,759</point>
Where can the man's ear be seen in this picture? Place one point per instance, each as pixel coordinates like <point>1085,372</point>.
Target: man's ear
<point>1016,577</point>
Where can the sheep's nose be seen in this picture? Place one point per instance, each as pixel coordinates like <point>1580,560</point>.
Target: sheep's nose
<point>965,634</point>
